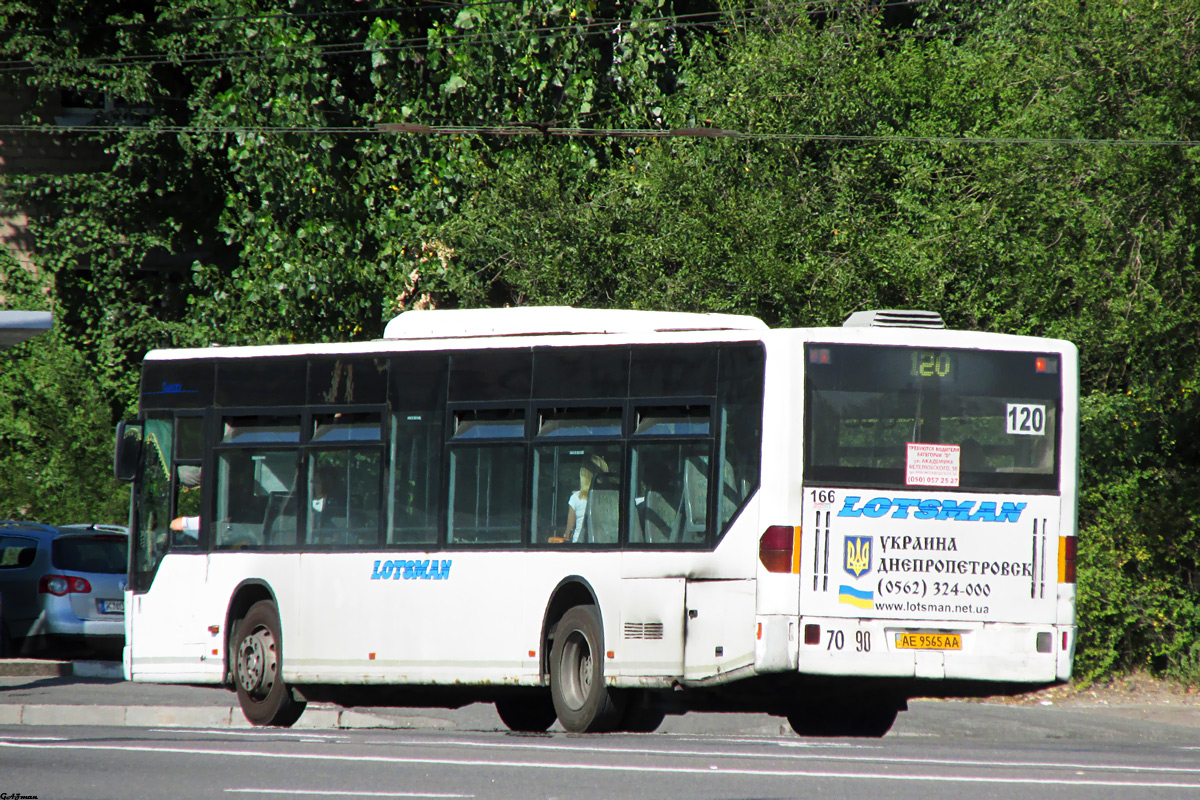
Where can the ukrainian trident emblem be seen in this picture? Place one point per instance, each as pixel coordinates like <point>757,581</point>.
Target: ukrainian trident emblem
<point>858,555</point>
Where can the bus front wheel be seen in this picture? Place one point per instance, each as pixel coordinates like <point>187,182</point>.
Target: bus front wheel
<point>582,701</point>
<point>257,668</point>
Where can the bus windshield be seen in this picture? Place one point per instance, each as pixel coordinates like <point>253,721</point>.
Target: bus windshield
<point>903,417</point>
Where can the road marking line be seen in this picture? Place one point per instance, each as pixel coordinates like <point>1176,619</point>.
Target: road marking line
<point>340,792</point>
<point>629,768</point>
<point>259,732</point>
<point>793,756</point>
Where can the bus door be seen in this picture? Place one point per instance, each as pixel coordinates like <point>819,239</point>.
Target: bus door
<point>165,630</point>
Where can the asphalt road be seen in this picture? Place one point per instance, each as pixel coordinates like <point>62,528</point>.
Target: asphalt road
<point>131,762</point>
<point>936,750</point>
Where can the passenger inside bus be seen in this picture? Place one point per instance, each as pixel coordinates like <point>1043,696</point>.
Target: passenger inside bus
<point>327,516</point>
<point>659,495</point>
<point>186,527</point>
<point>577,503</point>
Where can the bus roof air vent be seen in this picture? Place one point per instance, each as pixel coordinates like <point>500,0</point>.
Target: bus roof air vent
<point>891,318</point>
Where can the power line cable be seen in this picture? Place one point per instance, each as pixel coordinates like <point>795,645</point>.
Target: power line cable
<point>196,23</point>
<point>568,132</point>
<point>347,48</point>
<point>700,19</point>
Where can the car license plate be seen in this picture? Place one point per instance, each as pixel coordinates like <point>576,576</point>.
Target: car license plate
<point>929,641</point>
<point>111,606</point>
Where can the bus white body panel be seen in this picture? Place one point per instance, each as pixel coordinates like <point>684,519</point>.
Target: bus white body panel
<point>167,636</point>
<point>932,580</point>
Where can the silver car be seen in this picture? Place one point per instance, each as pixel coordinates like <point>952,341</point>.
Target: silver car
<point>63,589</point>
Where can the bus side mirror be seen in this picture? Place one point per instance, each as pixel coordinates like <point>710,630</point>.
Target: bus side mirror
<point>129,450</point>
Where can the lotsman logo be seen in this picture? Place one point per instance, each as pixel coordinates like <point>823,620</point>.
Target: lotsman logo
<point>427,569</point>
<point>901,507</point>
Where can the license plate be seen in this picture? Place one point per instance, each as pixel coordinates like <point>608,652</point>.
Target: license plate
<point>111,606</point>
<point>929,641</point>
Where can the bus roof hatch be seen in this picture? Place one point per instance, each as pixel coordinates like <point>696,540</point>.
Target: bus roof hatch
<point>892,318</point>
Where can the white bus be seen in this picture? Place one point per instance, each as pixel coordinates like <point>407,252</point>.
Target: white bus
<point>602,517</point>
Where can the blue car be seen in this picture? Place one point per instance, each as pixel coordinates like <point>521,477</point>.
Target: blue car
<point>62,589</point>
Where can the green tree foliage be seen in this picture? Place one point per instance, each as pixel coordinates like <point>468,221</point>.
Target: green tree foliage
<point>1003,163</point>
<point>980,162</point>
<point>55,444</point>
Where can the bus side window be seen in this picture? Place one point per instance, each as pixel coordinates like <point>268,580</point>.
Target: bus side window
<point>695,498</point>
<point>153,502</point>
<point>739,442</point>
<point>577,491</point>
<point>344,471</point>
<point>486,500</point>
<point>256,483</point>
<point>256,499</point>
<point>669,482</point>
<point>343,498</point>
<point>415,471</point>
<point>486,494</point>
<point>658,490</point>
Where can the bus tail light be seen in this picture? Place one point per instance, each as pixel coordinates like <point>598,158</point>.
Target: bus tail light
<point>59,585</point>
<point>1066,558</point>
<point>776,547</point>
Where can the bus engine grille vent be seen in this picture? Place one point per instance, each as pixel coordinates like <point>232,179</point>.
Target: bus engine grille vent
<point>643,630</point>
<point>894,319</point>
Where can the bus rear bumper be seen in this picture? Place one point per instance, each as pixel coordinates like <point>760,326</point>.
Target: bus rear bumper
<point>935,650</point>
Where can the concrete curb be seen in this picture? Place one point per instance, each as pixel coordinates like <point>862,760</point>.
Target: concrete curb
<point>34,668</point>
<point>318,716</point>
<point>42,668</point>
<point>315,717</point>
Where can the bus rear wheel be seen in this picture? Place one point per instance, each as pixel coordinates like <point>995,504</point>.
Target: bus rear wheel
<point>582,701</point>
<point>527,713</point>
<point>257,668</point>
<point>643,712</point>
<point>868,720</point>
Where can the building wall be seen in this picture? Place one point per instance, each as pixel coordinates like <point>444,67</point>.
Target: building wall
<point>34,153</point>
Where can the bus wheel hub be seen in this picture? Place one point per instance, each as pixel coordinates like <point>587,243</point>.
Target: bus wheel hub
<point>253,663</point>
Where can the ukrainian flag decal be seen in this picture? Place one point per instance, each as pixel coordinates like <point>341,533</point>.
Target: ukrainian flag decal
<point>856,597</point>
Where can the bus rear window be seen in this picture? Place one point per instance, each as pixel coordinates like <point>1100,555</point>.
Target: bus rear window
<point>903,417</point>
